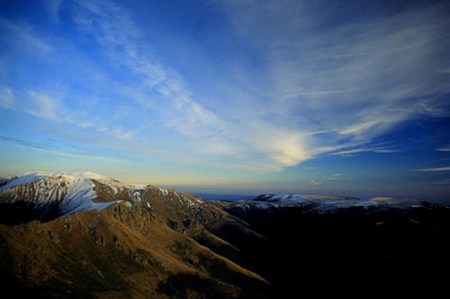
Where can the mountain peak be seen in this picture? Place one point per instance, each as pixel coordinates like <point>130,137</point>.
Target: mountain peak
<point>48,195</point>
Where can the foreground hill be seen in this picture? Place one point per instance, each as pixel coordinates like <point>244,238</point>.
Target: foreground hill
<point>82,235</point>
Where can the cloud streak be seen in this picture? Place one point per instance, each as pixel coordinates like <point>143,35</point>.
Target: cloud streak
<point>373,149</point>
<point>435,169</point>
<point>44,106</point>
<point>23,37</point>
<point>120,38</point>
<point>357,80</point>
<point>442,182</point>
<point>6,97</point>
<point>278,147</point>
<point>45,149</point>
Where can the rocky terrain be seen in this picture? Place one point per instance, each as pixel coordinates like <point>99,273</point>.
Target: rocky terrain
<point>86,236</point>
<point>82,235</point>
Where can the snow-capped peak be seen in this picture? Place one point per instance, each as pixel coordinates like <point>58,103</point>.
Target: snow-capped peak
<point>22,179</point>
<point>67,192</point>
<point>31,177</point>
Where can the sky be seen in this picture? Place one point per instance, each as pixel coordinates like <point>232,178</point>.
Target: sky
<point>231,96</point>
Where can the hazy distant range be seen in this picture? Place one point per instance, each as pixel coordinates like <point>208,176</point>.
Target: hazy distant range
<point>232,197</point>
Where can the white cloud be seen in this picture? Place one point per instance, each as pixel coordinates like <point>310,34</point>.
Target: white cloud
<point>300,91</point>
<point>44,106</point>
<point>259,145</point>
<point>68,108</point>
<point>443,149</point>
<point>307,100</point>
<point>120,38</point>
<point>50,107</point>
<point>356,81</point>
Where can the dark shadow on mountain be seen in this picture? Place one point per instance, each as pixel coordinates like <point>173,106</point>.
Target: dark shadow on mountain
<point>24,211</point>
<point>350,246</point>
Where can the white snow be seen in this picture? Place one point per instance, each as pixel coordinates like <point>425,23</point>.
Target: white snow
<point>136,194</point>
<point>138,186</point>
<point>322,203</point>
<point>24,179</point>
<point>165,192</point>
<point>199,201</point>
<point>72,192</point>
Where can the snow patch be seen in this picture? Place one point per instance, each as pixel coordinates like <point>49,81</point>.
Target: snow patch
<point>165,192</point>
<point>71,192</point>
<point>323,204</point>
<point>136,195</point>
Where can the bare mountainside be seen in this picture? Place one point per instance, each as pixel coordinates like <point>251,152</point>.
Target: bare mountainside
<point>83,235</point>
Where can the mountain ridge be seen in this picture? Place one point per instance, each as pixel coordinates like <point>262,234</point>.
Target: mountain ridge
<point>136,241</point>
<point>145,230</point>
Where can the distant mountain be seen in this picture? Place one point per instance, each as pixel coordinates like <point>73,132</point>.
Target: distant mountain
<point>83,235</point>
<point>325,204</point>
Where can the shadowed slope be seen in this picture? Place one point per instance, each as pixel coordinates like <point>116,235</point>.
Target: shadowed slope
<point>142,246</point>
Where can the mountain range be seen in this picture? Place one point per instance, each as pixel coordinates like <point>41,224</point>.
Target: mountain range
<point>83,235</point>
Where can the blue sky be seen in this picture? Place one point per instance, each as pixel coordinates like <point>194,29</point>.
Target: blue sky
<point>230,96</point>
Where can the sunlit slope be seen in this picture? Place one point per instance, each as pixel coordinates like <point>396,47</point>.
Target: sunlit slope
<point>140,243</point>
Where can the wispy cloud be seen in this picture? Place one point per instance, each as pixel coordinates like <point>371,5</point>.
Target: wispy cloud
<point>442,182</point>
<point>69,155</point>
<point>44,106</point>
<point>120,38</point>
<point>53,7</point>
<point>6,97</point>
<point>300,89</point>
<point>316,93</point>
<point>46,149</point>
<point>443,149</point>
<point>445,168</point>
<point>366,149</point>
<point>260,145</point>
<point>53,107</point>
<point>23,37</point>
<point>356,80</point>
<point>334,177</point>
